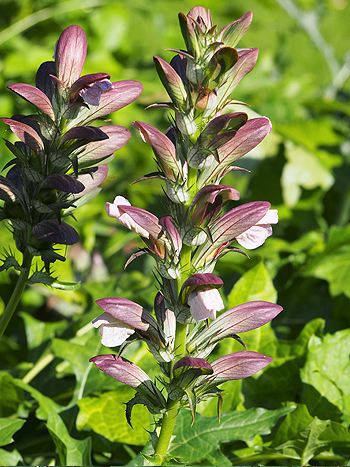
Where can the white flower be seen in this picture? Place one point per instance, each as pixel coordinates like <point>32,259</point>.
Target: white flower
<point>205,303</point>
<point>124,218</point>
<point>256,235</point>
<point>113,332</point>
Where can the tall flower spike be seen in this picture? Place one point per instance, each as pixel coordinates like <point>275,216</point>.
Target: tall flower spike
<point>56,162</point>
<point>205,139</point>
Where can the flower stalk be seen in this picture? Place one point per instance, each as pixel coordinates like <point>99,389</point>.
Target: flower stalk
<point>59,158</point>
<point>16,294</point>
<point>203,222</point>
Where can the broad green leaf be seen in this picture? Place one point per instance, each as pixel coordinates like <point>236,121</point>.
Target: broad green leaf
<point>333,264</point>
<point>280,381</point>
<point>77,355</point>
<point>255,284</point>
<point>198,443</point>
<point>70,451</point>
<point>10,395</point>
<point>311,134</point>
<point>38,331</point>
<point>105,415</point>
<point>327,370</point>
<point>9,457</point>
<point>302,437</point>
<point>303,170</point>
<point>8,427</point>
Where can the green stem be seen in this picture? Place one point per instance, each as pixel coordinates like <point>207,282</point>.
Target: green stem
<point>169,418</point>
<point>38,368</point>
<point>166,431</point>
<point>16,294</point>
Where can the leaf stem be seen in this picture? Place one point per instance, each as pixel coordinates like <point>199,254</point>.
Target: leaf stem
<point>16,294</point>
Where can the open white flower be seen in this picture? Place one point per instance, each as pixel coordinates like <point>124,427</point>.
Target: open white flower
<point>139,220</point>
<point>205,303</point>
<point>256,235</point>
<point>112,331</point>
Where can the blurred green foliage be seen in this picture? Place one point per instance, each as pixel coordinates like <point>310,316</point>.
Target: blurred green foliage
<point>60,410</point>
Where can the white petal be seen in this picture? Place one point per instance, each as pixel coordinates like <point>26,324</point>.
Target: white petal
<point>129,222</point>
<point>254,237</point>
<point>105,318</point>
<point>113,335</point>
<point>112,208</point>
<point>271,217</point>
<point>114,211</point>
<point>169,327</point>
<point>205,303</point>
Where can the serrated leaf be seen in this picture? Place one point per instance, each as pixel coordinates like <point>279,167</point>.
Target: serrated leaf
<point>70,451</point>
<point>41,277</point>
<point>105,415</point>
<point>302,437</point>
<point>197,443</point>
<point>10,262</point>
<point>8,427</point>
<point>327,370</point>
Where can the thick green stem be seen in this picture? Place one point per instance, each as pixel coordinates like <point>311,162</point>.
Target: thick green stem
<point>16,294</point>
<point>169,418</point>
<point>166,431</point>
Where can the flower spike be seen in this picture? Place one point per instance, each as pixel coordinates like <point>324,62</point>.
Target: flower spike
<point>201,221</point>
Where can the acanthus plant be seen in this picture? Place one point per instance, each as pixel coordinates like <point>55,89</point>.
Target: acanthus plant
<point>60,159</point>
<point>198,150</point>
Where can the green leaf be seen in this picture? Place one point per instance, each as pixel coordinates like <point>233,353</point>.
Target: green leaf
<point>280,381</point>
<point>105,415</point>
<point>8,427</point>
<point>255,284</point>
<point>38,331</point>
<point>300,436</point>
<point>10,395</point>
<point>311,134</point>
<point>10,262</point>
<point>333,264</point>
<point>71,451</point>
<point>198,443</point>
<point>9,457</point>
<point>41,277</point>
<point>303,170</point>
<point>327,370</point>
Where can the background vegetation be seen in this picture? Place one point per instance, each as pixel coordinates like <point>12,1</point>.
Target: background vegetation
<point>53,404</point>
